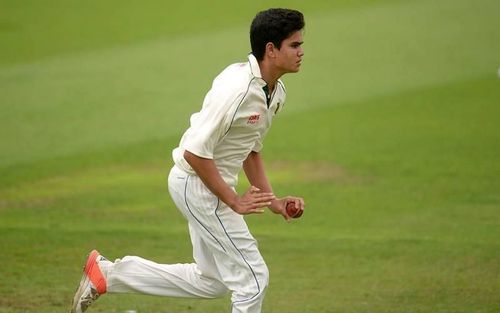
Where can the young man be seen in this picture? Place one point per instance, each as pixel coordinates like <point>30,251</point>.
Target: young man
<point>223,138</point>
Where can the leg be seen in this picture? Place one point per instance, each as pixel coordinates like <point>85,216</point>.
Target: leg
<point>246,274</point>
<point>138,275</point>
<point>201,279</point>
<point>223,238</point>
<point>226,256</point>
<point>134,274</point>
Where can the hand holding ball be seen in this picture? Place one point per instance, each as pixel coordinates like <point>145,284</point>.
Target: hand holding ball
<point>292,211</point>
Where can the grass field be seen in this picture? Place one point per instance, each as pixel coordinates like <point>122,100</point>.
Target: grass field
<point>391,132</point>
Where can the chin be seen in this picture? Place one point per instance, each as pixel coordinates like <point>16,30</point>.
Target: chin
<point>293,69</point>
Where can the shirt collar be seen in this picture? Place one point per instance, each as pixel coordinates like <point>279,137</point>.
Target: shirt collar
<point>254,66</point>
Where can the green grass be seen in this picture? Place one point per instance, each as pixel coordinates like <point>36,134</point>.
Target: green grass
<point>390,132</point>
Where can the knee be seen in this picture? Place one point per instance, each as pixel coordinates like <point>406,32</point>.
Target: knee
<point>212,287</point>
<point>263,276</point>
<point>220,290</point>
<point>250,297</point>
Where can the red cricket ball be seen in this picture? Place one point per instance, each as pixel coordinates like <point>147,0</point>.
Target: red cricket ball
<point>292,211</point>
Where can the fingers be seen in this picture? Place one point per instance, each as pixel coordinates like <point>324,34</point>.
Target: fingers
<point>255,196</point>
<point>254,189</point>
<point>299,202</point>
<point>287,217</point>
<point>261,201</point>
<point>250,209</point>
<point>254,201</point>
<point>299,205</point>
<point>255,211</point>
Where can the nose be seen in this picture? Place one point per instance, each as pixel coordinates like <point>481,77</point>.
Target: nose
<point>300,52</point>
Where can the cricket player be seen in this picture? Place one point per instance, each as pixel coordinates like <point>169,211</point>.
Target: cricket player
<point>224,137</point>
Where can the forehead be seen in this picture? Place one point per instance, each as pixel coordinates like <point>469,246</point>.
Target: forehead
<point>295,37</point>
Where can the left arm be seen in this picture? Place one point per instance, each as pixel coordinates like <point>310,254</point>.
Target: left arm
<point>254,170</point>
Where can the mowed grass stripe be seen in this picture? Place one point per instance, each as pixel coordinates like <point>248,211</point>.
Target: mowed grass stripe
<point>408,156</point>
<point>421,163</point>
<point>357,254</point>
<point>69,27</point>
<point>401,178</point>
<point>147,90</point>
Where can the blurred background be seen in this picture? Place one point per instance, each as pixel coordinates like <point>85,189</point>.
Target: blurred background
<point>390,132</point>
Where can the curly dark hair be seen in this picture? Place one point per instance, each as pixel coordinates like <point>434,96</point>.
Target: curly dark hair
<point>273,25</point>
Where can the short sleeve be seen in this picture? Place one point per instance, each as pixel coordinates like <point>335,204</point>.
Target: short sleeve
<point>209,125</point>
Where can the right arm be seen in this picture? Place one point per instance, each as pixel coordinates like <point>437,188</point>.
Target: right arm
<point>253,201</point>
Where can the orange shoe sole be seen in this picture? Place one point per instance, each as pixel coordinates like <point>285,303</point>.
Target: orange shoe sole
<point>94,272</point>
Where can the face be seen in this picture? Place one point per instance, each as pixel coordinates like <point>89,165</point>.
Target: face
<point>289,57</point>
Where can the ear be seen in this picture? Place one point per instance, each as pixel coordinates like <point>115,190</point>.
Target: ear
<point>271,50</point>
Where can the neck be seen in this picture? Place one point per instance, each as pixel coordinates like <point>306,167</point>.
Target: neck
<point>269,73</point>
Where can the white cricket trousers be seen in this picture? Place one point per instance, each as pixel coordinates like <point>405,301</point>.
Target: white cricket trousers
<point>226,255</point>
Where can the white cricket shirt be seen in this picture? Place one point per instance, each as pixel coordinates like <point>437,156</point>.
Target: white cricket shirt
<point>234,119</point>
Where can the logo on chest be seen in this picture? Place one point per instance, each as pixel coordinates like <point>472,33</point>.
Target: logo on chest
<point>253,119</point>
